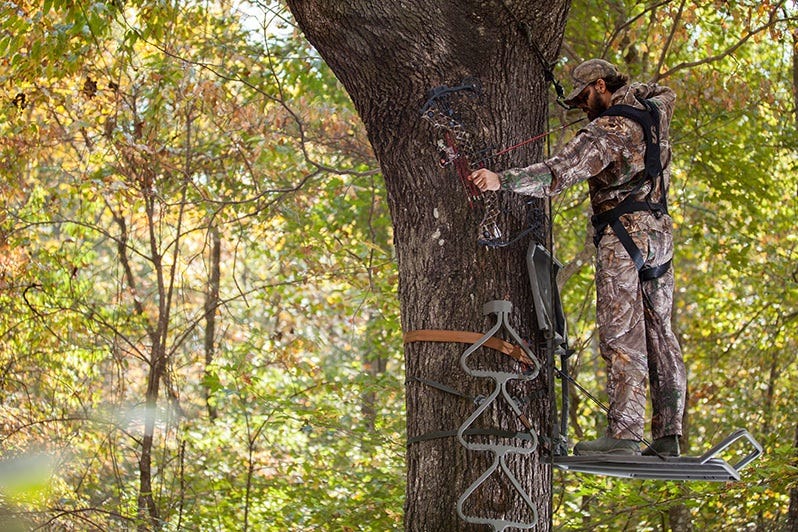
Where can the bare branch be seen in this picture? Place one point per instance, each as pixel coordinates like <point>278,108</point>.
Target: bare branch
<point>631,21</point>
<point>216,70</point>
<point>668,43</point>
<point>773,20</point>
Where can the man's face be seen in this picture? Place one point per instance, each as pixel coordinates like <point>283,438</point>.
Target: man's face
<point>590,101</point>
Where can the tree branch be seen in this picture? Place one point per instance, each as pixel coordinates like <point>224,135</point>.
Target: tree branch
<point>668,43</point>
<point>729,51</point>
<point>629,22</point>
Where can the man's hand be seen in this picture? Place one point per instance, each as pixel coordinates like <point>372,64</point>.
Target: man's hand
<point>484,179</point>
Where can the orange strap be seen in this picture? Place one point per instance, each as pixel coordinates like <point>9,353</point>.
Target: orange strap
<point>468,337</point>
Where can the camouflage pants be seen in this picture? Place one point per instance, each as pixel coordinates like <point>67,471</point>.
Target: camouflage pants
<point>635,333</point>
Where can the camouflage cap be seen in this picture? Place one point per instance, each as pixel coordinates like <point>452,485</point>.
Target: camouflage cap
<point>586,73</point>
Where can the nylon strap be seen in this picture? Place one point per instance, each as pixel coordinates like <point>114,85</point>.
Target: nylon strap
<point>441,387</point>
<point>440,434</point>
<point>646,273</point>
<point>467,337</point>
<point>649,122</point>
<point>464,337</point>
<point>548,67</point>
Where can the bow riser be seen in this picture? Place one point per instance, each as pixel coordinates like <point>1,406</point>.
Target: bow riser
<point>461,164</point>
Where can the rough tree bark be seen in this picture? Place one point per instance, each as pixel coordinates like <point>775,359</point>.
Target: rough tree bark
<point>388,55</point>
<point>211,305</point>
<point>792,512</point>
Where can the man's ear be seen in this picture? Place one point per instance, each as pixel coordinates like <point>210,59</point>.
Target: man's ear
<point>601,86</point>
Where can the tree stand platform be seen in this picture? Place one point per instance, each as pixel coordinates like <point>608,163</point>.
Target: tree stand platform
<point>708,467</point>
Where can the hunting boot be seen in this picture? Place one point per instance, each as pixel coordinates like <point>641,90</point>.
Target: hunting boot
<point>665,446</point>
<point>607,445</point>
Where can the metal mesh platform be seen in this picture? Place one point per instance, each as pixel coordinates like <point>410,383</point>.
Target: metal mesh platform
<point>650,467</point>
<point>708,467</point>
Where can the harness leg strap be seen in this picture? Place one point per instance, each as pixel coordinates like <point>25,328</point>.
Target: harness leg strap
<point>646,273</point>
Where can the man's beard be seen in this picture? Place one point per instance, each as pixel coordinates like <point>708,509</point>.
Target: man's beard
<point>595,111</point>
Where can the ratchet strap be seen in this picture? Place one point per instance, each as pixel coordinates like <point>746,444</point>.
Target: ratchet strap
<point>468,337</point>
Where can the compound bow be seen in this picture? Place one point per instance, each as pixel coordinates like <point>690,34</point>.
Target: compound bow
<point>458,148</point>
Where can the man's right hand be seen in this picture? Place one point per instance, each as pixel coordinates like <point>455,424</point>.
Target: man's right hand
<point>484,179</point>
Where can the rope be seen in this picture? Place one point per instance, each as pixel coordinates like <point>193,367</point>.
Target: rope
<point>441,387</point>
<point>538,137</point>
<point>548,67</point>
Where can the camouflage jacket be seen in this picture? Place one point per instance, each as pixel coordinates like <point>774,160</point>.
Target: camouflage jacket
<point>609,153</point>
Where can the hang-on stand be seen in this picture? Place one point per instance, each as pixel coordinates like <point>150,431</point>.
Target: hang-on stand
<point>543,270</point>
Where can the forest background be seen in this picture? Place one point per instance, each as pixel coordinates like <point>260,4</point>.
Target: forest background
<point>199,327</point>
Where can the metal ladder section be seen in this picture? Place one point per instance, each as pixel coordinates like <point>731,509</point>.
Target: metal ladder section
<point>707,467</point>
<point>528,440</point>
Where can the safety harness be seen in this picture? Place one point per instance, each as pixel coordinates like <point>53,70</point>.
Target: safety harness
<point>648,119</point>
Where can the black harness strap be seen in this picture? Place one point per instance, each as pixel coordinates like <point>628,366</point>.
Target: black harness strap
<point>612,218</point>
<point>648,119</point>
<point>548,67</point>
<point>440,434</point>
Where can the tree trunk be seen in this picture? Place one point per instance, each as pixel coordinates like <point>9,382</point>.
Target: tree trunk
<point>211,306</point>
<point>388,55</point>
<point>795,73</point>
<point>792,514</point>
<point>149,518</point>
